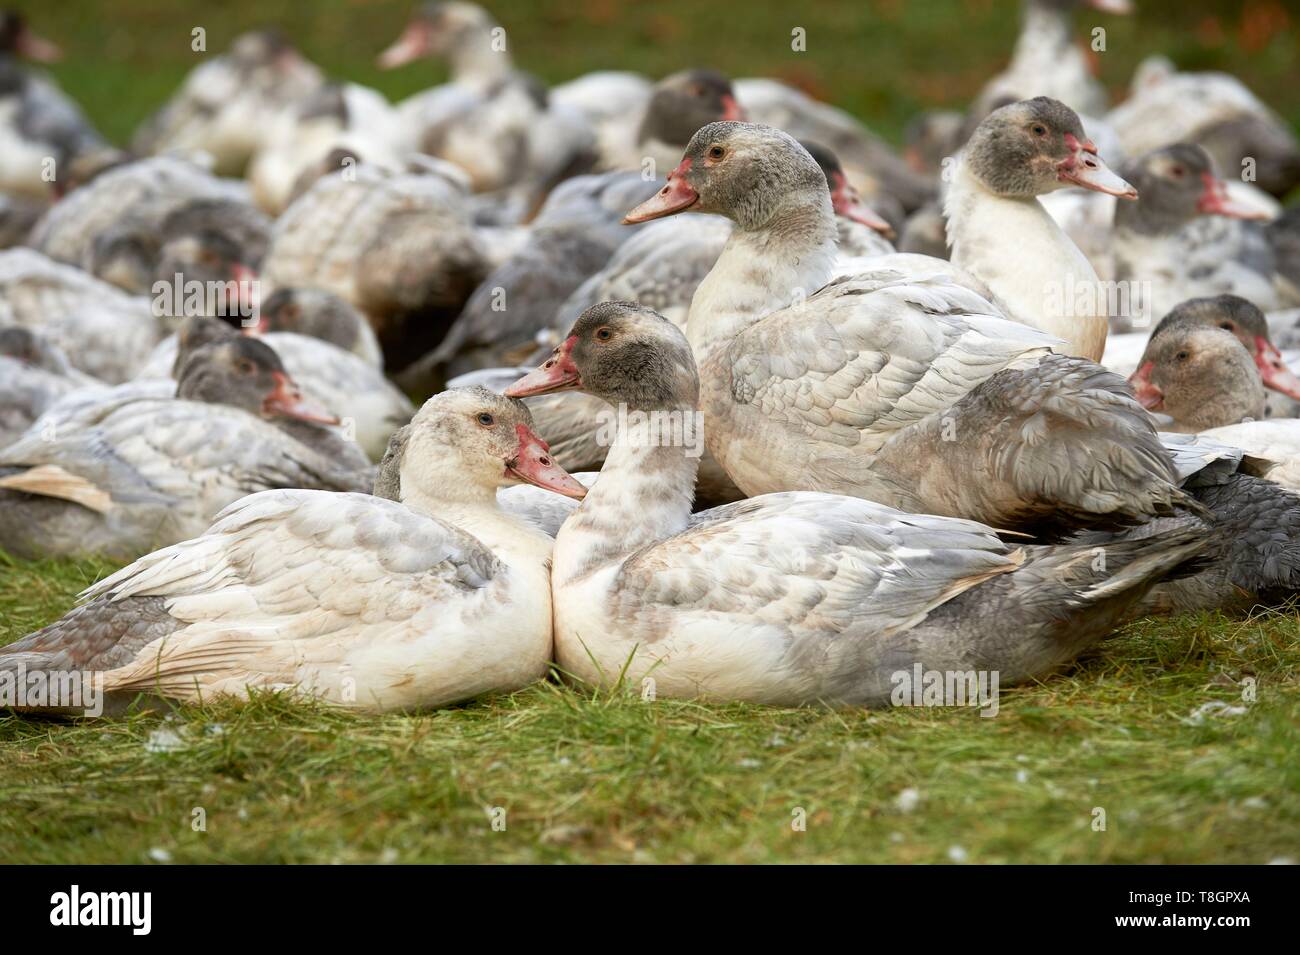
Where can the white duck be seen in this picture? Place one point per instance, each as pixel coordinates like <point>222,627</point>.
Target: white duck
<point>793,598</point>
<point>898,385</point>
<point>121,471</point>
<point>363,602</point>
<point>1276,440</point>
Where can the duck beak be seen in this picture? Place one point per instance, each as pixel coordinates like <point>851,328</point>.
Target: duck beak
<point>533,464</point>
<point>34,47</point>
<point>849,204</point>
<point>557,373</point>
<point>677,196</point>
<point>1273,369</point>
<point>286,400</point>
<point>1145,390</point>
<point>416,41</point>
<point>731,110</point>
<point>1083,167</point>
<point>1121,7</point>
<point>1215,201</point>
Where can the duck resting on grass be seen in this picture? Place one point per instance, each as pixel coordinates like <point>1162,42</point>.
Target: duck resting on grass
<point>367,603</point>
<point>797,597</point>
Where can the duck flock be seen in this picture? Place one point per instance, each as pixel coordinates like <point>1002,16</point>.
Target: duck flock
<point>728,398</point>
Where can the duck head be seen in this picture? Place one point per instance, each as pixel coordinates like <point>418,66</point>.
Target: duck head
<point>1200,376</point>
<point>624,353</point>
<point>1246,323</point>
<point>246,373</point>
<point>470,442</point>
<point>845,199</point>
<point>1177,183</point>
<point>215,242</point>
<point>437,29</point>
<point>683,102</point>
<point>1034,147</point>
<point>17,37</point>
<point>310,311</point>
<point>749,173</point>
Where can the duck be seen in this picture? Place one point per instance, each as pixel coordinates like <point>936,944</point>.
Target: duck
<point>492,120</point>
<point>34,375</point>
<point>793,598</point>
<point>41,129</point>
<point>1164,246</point>
<point>105,332</point>
<point>538,508</point>
<point>128,225</point>
<point>364,603</point>
<point>652,137</point>
<point>1214,110</point>
<point>1018,153</point>
<point>902,387</point>
<point>369,406</point>
<point>230,104</point>
<point>1048,61</point>
<point>399,247</point>
<point>1191,371</point>
<point>119,472</point>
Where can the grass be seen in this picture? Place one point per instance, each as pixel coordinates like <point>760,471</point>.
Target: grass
<point>584,776</point>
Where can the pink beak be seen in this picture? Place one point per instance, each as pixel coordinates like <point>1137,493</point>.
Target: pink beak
<point>677,196</point>
<point>557,373</point>
<point>1147,392</point>
<point>532,463</point>
<point>731,110</point>
<point>415,42</point>
<point>1273,370</point>
<point>1216,201</point>
<point>288,401</point>
<point>849,204</point>
<point>37,48</point>
<point>1083,167</point>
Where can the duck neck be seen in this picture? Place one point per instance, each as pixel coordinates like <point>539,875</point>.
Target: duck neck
<point>763,270</point>
<point>474,510</point>
<point>644,491</point>
<point>1035,272</point>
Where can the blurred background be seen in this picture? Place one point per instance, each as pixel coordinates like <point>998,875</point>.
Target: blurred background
<point>883,60</point>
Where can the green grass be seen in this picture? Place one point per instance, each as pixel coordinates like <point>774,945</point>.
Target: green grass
<point>591,777</point>
<point>883,60</point>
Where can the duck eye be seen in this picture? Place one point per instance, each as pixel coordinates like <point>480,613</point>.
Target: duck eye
<point>1181,356</point>
<point>604,334</point>
<point>1178,172</point>
<point>1227,325</point>
<point>486,420</point>
<point>1040,130</point>
<point>716,152</point>
<point>246,367</point>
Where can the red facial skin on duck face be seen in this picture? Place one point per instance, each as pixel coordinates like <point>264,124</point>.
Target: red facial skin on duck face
<point>286,400</point>
<point>1216,201</point>
<point>1273,370</point>
<point>557,373</point>
<point>1083,167</point>
<point>677,196</point>
<point>1147,392</point>
<point>847,203</point>
<point>533,464</point>
<point>731,110</point>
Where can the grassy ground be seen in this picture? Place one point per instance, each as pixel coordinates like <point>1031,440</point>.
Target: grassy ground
<point>884,59</point>
<point>586,777</point>
<point>583,777</point>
